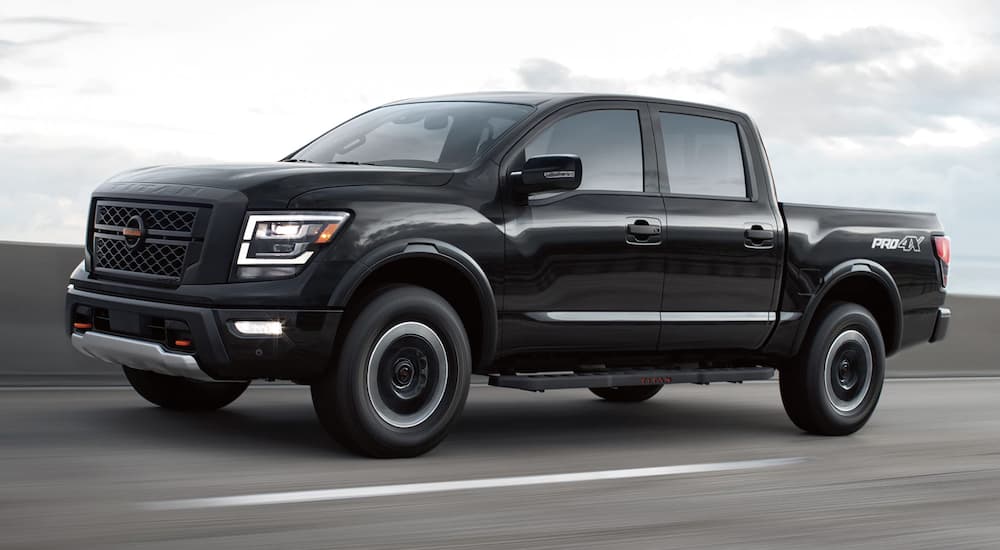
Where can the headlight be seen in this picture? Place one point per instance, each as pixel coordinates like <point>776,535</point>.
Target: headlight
<point>278,245</point>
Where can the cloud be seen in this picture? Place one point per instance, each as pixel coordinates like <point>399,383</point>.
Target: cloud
<point>96,87</point>
<point>856,101</point>
<point>794,51</point>
<point>6,84</point>
<point>863,83</point>
<point>547,75</point>
<point>47,20</point>
<point>41,31</point>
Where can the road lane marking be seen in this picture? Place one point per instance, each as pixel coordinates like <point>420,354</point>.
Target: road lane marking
<point>347,493</point>
<point>127,387</point>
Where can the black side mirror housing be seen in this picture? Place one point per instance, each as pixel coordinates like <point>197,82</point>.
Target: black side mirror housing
<point>548,173</point>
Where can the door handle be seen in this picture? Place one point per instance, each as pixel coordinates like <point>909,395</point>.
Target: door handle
<point>758,235</point>
<point>643,231</point>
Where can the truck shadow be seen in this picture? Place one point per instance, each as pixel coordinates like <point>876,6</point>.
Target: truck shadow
<point>500,420</point>
<point>579,419</point>
<point>274,429</point>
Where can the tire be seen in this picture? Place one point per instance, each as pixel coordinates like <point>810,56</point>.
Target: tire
<point>183,394</point>
<point>402,376</point>
<point>626,394</point>
<point>834,384</point>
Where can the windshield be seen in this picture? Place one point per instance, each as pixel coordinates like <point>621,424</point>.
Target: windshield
<point>441,134</point>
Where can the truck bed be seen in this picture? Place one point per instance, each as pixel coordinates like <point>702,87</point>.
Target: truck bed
<point>820,239</point>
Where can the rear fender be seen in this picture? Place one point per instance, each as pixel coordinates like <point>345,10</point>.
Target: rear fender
<point>842,272</point>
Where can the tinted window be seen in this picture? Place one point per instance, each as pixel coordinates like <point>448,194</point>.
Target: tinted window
<point>608,143</point>
<point>442,134</point>
<point>703,156</point>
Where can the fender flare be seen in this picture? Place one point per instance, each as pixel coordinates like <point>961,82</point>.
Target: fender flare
<point>438,251</point>
<point>849,269</point>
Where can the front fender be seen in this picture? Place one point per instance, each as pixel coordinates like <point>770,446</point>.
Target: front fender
<point>432,249</point>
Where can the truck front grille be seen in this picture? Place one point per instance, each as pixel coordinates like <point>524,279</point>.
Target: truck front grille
<point>142,241</point>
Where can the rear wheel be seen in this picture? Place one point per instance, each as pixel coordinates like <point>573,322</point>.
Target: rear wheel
<point>402,376</point>
<point>626,394</point>
<point>835,383</point>
<point>183,394</point>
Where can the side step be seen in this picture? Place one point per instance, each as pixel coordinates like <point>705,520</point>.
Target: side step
<point>629,377</point>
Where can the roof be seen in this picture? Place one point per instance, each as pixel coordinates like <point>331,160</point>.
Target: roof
<point>552,99</point>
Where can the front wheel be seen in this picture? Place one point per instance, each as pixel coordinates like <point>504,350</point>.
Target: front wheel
<point>835,383</point>
<point>183,394</point>
<point>626,394</point>
<point>402,376</point>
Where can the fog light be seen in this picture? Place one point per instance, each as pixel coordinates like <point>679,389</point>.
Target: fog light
<point>254,273</point>
<point>259,328</point>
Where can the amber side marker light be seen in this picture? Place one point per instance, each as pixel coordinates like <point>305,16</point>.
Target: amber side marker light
<point>327,233</point>
<point>182,343</point>
<point>82,326</point>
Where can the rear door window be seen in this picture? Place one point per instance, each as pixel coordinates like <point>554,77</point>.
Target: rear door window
<point>703,156</point>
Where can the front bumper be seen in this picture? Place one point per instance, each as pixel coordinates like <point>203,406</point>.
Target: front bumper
<point>130,332</point>
<point>941,324</point>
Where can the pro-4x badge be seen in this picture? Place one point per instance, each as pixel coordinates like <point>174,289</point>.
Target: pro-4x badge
<point>909,243</point>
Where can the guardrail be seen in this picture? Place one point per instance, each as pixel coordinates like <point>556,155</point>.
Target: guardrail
<point>37,351</point>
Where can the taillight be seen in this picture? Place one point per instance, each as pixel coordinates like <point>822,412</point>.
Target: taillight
<point>942,249</point>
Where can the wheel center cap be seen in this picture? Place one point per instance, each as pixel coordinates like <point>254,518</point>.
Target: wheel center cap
<point>846,375</point>
<point>402,372</point>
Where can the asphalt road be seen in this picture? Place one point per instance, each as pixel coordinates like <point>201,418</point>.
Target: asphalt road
<point>87,468</point>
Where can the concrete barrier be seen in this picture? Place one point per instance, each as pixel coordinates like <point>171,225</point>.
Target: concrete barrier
<point>37,352</point>
<point>36,348</point>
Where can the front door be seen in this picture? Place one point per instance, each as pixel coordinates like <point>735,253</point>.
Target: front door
<point>584,268</point>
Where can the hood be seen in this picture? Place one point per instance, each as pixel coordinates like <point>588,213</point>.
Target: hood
<point>272,185</point>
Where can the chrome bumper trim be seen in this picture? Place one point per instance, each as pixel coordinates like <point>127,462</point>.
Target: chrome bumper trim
<point>138,355</point>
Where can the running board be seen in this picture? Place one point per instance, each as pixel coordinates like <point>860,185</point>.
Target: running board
<point>628,377</point>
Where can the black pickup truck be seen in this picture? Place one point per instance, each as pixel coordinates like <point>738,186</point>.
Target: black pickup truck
<point>548,241</point>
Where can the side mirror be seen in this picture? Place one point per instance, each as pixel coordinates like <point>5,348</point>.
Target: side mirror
<point>548,173</point>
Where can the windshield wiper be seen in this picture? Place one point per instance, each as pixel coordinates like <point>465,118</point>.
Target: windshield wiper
<point>353,162</point>
<point>299,160</point>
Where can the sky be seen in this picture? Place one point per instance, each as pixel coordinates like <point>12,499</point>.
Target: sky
<point>886,104</point>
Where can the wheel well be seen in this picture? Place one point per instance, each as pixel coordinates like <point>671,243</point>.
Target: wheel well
<point>435,275</point>
<point>873,296</point>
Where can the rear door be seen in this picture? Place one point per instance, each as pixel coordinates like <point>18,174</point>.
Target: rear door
<point>723,237</point>
<point>584,268</point>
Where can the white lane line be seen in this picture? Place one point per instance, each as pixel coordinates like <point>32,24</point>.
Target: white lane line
<point>993,378</point>
<point>464,485</point>
<point>127,387</point>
